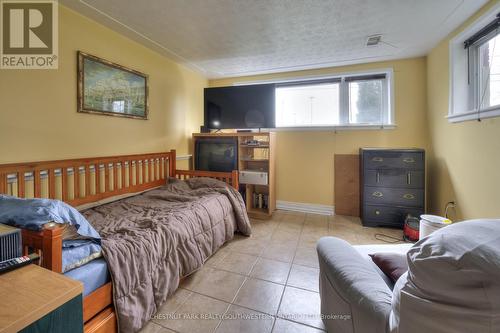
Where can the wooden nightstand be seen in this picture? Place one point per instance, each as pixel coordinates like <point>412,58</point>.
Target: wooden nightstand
<point>34,299</point>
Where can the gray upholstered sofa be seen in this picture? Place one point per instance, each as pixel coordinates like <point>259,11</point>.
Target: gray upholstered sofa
<point>452,284</point>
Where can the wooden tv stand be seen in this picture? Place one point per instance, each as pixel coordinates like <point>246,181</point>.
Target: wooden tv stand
<point>255,157</point>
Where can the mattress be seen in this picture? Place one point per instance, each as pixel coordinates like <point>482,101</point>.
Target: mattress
<point>93,275</point>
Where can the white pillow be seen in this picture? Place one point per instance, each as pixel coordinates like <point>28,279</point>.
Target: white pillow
<point>452,283</point>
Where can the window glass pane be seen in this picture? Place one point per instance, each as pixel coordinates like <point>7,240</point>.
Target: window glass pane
<point>489,73</point>
<point>366,102</point>
<point>307,105</point>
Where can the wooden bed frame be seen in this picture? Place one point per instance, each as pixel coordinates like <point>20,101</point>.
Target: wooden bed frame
<point>86,181</point>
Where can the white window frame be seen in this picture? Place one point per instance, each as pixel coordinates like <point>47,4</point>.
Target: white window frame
<point>463,97</point>
<point>388,99</point>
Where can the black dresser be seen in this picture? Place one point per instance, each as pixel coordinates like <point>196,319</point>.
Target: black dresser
<point>392,185</point>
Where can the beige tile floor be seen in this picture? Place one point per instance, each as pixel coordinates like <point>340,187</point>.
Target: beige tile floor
<point>263,283</point>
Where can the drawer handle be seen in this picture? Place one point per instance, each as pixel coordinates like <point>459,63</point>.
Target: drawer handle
<point>409,196</point>
<point>378,194</point>
<point>377,159</point>
<point>408,160</point>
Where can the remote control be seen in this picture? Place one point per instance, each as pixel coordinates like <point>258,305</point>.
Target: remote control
<point>11,264</point>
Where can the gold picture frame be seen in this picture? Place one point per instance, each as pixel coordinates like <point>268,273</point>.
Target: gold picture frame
<point>106,88</point>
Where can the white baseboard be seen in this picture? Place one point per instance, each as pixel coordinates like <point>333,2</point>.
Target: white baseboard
<point>305,207</point>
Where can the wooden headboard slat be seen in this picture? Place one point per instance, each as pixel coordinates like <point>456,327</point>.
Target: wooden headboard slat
<point>122,175</point>
<point>172,165</point>
<point>106,178</point>
<point>143,171</point>
<point>76,182</point>
<point>137,173</point>
<point>130,174</point>
<point>87,180</point>
<point>20,184</point>
<point>37,184</point>
<point>64,182</point>
<point>52,184</point>
<point>114,176</point>
<point>97,175</point>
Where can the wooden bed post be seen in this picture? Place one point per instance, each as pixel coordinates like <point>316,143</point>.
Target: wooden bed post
<point>171,164</point>
<point>49,242</point>
<point>236,183</point>
<point>52,248</point>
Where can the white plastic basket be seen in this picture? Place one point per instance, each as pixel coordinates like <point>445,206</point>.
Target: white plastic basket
<point>431,223</point>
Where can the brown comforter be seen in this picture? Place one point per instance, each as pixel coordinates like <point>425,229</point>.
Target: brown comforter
<point>152,240</point>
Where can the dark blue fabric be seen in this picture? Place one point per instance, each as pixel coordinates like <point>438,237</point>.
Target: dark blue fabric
<point>76,242</point>
<point>34,213</point>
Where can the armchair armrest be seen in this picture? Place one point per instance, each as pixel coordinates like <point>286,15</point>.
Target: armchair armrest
<point>351,280</point>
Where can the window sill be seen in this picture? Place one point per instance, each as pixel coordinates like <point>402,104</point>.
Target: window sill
<point>335,128</point>
<point>490,112</point>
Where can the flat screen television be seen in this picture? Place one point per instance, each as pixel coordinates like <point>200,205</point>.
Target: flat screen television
<point>240,107</point>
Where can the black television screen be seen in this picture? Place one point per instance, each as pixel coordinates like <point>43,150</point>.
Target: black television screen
<point>216,154</point>
<point>236,107</point>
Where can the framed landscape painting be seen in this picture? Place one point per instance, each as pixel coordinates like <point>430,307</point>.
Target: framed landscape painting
<point>109,89</point>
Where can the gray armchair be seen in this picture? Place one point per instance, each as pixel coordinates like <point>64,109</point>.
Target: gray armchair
<point>452,283</point>
<point>351,284</point>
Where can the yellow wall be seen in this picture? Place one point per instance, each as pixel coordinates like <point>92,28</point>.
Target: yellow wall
<point>38,117</point>
<point>305,159</point>
<point>464,163</point>
<point>38,121</point>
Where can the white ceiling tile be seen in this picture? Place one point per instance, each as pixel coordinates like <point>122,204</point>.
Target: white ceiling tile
<point>240,37</point>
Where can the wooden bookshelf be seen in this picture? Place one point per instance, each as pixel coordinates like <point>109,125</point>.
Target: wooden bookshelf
<point>255,157</point>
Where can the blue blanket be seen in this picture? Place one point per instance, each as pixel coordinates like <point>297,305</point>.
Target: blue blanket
<point>76,256</point>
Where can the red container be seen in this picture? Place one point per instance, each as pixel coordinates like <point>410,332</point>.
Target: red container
<point>411,229</point>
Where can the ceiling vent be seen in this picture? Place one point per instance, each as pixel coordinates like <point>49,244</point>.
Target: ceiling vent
<point>373,40</point>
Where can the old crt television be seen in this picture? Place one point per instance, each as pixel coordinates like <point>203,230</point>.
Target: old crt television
<point>216,154</point>
<point>240,107</point>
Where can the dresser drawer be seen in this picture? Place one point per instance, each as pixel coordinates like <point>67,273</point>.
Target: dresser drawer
<point>384,215</point>
<point>381,159</point>
<point>394,196</point>
<point>394,178</point>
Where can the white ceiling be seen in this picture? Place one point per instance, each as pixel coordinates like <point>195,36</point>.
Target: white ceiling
<point>224,38</point>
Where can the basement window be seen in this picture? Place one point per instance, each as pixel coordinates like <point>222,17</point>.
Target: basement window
<point>349,101</point>
<point>475,70</point>
<point>308,104</point>
<point>488,68</point>
<point>367,100</point>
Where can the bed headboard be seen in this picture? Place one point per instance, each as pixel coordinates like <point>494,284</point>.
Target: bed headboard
<point>88,180</point>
